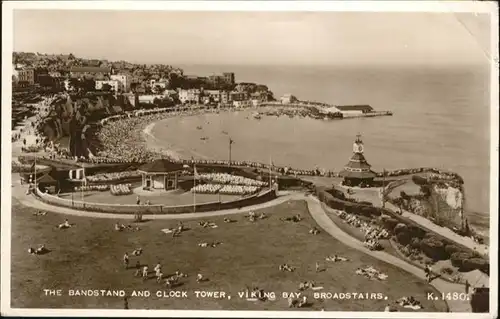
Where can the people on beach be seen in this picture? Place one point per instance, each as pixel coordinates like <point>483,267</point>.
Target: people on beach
<point>126,260</point>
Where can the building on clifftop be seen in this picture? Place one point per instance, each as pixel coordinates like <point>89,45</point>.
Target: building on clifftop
<point>358,172</point>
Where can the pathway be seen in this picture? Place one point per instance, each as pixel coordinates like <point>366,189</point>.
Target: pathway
<point>19,193</point>
<point>330,227</point>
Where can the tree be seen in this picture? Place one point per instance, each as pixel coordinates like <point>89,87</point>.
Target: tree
<point>158,89</point>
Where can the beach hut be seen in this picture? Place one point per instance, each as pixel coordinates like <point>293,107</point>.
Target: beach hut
<point>160,174</point>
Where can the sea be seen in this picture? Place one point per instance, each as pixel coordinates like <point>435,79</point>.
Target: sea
<point>441,118</point>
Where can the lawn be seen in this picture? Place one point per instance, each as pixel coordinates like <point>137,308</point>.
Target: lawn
<point>89,256</point>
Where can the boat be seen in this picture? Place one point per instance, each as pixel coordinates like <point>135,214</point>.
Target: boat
<point>204,138</point>
<point>199,128</point>
<point>256,116</point>
<point>224,132</point>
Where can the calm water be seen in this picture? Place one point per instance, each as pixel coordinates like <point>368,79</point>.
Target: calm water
<point>441,119</point>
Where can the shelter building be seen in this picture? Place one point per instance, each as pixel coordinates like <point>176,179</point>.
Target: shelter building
<point>160,174</point>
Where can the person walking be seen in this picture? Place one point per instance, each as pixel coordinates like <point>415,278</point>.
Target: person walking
<point>126,260</point>
<point>467,287</point>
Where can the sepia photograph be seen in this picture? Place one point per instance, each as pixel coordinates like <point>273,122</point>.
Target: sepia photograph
<point>250,159</point>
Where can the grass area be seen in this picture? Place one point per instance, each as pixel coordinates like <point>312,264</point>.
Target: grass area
<point>89,256</point>
<point>410,188</point>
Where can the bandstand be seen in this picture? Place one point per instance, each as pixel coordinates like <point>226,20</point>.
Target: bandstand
<point>357,172</point>
<point>160,174</point>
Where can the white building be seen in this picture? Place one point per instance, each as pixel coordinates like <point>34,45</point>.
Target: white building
<point>123,79</point>
<point>214,95</point>
<point>244,103</point>
<point>288,98</point>
<point>191,95</point>
<point>116,86</point>
<point>149,98</point>
<point>255,102</point>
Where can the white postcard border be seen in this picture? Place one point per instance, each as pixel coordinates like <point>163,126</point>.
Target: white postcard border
<point>354,6</point>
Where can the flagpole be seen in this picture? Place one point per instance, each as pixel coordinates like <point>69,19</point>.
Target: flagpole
<point>81,188</point>
<point>194,188</point>
<point>383,189</point>
<point>35,177</point>
<point>270,164</point>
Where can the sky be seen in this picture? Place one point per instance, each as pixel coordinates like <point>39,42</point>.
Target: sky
<point>262,38</point>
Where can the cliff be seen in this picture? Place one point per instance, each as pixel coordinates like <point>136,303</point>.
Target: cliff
<point>70,115</point>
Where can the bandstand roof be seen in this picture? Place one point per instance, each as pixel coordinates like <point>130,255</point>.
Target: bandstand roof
<point>160,166</point>
<point>46,179</point>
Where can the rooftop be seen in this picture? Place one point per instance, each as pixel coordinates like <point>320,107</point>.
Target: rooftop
<point>90,69</point>
<point>160,166</point>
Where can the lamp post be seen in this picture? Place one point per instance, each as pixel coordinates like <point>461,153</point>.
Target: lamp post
<point>383,189</point>
<point>230,144</point>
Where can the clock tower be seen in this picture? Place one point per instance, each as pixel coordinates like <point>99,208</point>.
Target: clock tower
<point>357,171</point>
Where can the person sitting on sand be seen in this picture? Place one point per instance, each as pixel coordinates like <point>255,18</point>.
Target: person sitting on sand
<point>303,302</point>
<point>168,284</point>
<point>137,269</point>
<point>203,244</point>
<point>291,302</point>
<point>41,249</point>
<point>137,252</point>
<point>314,231</point>
<point>302,286</point>
<point>31,251</point>
<point>64,225</point>
<point>157,267</point>
<point>118,227</point>
<point>159,276</point>
<point>199,278</point>
<point>125,260</point>
<point>180,227</point>
<point>262,216</point>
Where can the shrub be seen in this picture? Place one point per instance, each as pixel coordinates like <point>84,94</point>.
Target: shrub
<point>433,248</point>
<point>416,232</point>
<point>451,249</point>
<point>458,258</point>
<point>390,223</point>
<point>475,263</point>
<point>415,243</point>
<point>419,180</point>
<point>447,270</point>
<point>403,237</point>
<point>403,195</point>
<point>366,203</point>
<point>400,227</point>
<point>426,190</point>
